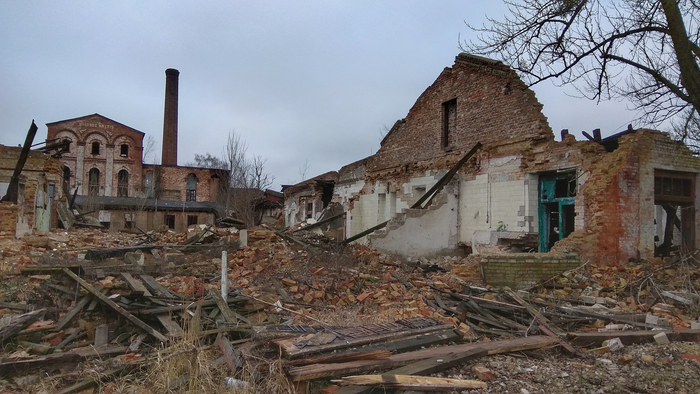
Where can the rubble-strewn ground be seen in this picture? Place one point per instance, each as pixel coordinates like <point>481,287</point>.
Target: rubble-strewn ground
<point>335,285</point>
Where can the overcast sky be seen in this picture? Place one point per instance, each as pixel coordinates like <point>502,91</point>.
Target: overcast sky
<point>298,80</point>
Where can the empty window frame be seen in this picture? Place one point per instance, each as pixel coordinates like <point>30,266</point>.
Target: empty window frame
<point>129,220</point>
<point>309,210</point>
<point>124,150</point>
<point>191,188</point>
<point>449,122</point>
<point>191,219</point>
<point>94,182</point>
<point>123,183</point>
<point>170,221</point>
<point>148,184</point>
<point>95,148</point>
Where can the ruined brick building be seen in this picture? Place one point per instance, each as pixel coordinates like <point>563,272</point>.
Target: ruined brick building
<point>104,167</point>
<point>39,189</point>
<point>630,195</point>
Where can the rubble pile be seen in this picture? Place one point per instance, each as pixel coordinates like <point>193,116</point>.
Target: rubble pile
<point>93,311</point>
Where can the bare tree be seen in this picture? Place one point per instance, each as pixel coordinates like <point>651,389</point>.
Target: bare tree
<point>247,177</point>
<point>149,149</point>
<point>643,50</point>
<point>303,170</point>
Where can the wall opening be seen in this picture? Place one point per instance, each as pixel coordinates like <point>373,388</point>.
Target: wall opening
<point>191,219</point>
<point>674,200</point>
<point>124,150</point>
<point>170,221</point>
<point>94,182</point>
<point>449,122</point>
<point>123,183</point>
<point>148,185</point>
<point>95,148</point>
<point>129,220</point>
<point>557,193</point>
<point>66,180</point>
<point>191,188</point>
<point>309,210</point>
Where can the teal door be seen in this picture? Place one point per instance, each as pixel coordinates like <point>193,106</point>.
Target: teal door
<point>556,208</point>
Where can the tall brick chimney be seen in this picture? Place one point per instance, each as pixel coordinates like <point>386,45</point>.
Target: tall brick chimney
<point>170,118</point>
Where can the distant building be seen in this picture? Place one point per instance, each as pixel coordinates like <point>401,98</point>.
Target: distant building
<point>104,168</point>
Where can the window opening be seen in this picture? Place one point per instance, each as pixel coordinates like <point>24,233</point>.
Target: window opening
<point>93,182</point>
<point>674,200</point>
<point>191,219</point>
<point>123,183</point>
<point>148,185</point>
<point>309,210</point>
<point>129,220</point>
<point>124,150</point>
<point>95,148</point>
<point>170,221</point>
<point>449,122</point>
<point>191,188</point>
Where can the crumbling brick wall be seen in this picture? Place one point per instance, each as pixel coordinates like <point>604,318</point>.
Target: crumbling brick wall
<point>619,198</point>
<point>520,271</point>
<point>38,172</point>
<point>492,104</point>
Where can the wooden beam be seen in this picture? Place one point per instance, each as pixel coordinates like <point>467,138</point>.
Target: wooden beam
<point>135,320</point>
<point>596,339</point>
<point>368,231</point>
<point>428,196</point>
<point>317,371</point>
<point>229,315</point>
<point>425,367</point>
<point>423,383</point>
<point>289,348</point>
<point>12,325</point>
<point>321,223</point>
<point>155,287</point>
<point>137,288</point>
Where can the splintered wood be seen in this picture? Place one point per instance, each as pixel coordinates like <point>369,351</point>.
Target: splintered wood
<point>339,338</point>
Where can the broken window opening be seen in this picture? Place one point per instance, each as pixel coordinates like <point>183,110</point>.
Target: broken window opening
<point>124,150</point>
<point>381,207</point>
<point>191,188</point>
<point>148,185</point>
<point>94,182</point>
<point>129,220</point>
<point>327,193</point>
<point>123,183</point>
<point>170,221</point>
<point>556,213</point>
<point>95,148</point>
<point>674,196</point>
<point>66,180</point>
<point>191,219</point>
<point>309,210</point>
<point>449,122</point>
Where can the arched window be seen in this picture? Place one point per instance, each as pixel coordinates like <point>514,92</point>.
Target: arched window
<point>94,182</point>
<point>66,179</point>
<point>95,148</point>
<point>191,187</point>
<point>123,183</point>
<point>124,150</point>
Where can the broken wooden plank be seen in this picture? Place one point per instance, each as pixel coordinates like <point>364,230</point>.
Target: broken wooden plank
<point>58,360</point>
<point>137,288</point>
<point>72,337</point>
<point>156,288</point>
<point>318,371</point>
<point>136,343</point>
<point>533,311</point>
<point>596,339</point>
<point>428,196</point>
<point>101,335</point>
<point>229,315</point>
<point>233,357</point>
<point>169,324</point>
<point>291,350</point>
<point>135,320</point>
<point>420,341</point>
<point>425,367</point>
<point>566,345</point>
<point>343,357</point>
<point>423,383</point>
<point>11,325</point>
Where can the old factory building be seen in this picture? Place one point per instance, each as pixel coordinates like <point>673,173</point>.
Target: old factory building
<point>104,168</point>
<point>474,168</point>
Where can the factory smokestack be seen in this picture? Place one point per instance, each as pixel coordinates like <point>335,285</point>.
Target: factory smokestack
<point>170,118</point>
